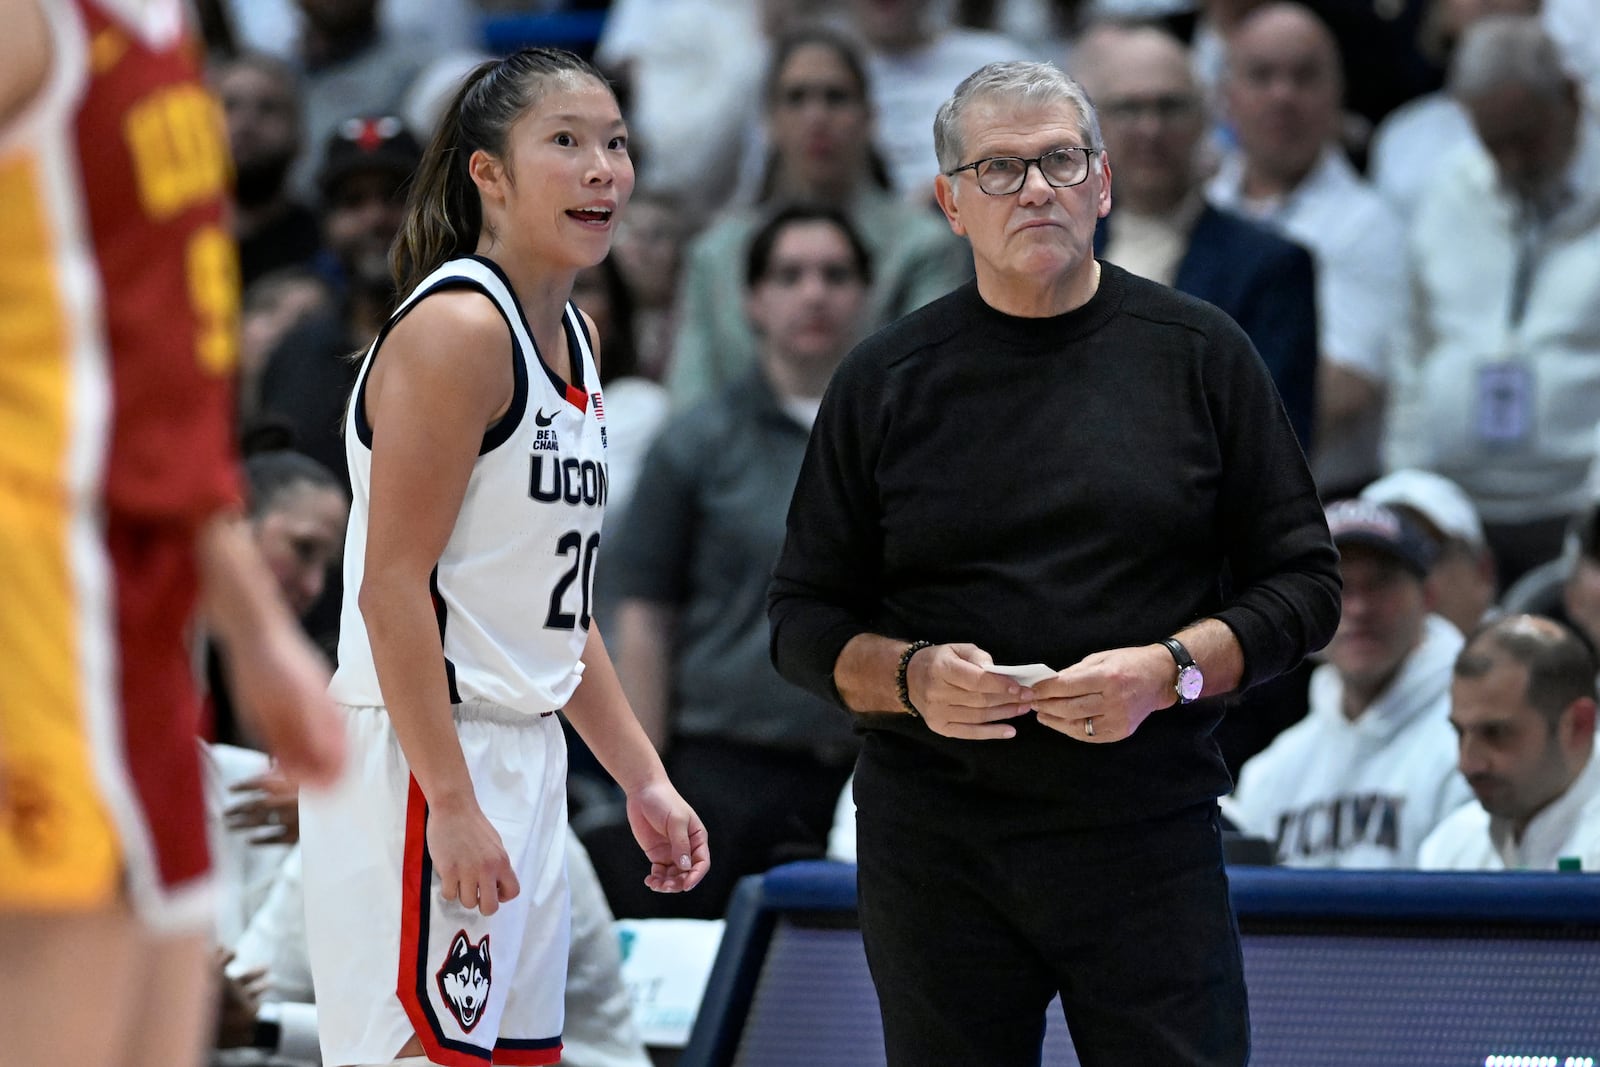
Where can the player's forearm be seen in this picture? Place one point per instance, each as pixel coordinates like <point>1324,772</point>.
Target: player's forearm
<point>599,711</point>
<point>25,56</point>
<point>238,595</point>
<point>410,666</point>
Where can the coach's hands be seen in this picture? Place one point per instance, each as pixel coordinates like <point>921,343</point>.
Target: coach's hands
<point>1110,693</point>
<point>957,697</point>
<point>672,836</point>
<point>470,857</point>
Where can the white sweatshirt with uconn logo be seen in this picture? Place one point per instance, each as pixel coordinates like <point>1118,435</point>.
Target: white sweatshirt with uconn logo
<point>1329,792</point>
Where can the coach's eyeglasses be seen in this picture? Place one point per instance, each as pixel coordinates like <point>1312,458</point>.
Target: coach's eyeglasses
<point>1003,175</point>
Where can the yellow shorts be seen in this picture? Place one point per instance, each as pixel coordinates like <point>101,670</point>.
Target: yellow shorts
<point>101,791</point>
<point>58,847</point>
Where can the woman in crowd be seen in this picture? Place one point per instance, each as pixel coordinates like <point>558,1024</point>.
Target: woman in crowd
<point>819,121</point>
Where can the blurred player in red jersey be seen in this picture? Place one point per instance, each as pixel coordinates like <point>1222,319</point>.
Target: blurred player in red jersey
<point>119,520</point>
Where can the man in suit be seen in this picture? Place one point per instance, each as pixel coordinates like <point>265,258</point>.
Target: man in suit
<point>1154,121</point>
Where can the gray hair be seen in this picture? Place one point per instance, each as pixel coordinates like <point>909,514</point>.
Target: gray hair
<point>1018,81</point>
<point>1503,50</point>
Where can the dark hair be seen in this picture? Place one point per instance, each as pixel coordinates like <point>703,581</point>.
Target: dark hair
<point>272,474</point>
<point>1561,665</point>
<point>758,258</point>
<point>443,212</point>
<point>852,55</point>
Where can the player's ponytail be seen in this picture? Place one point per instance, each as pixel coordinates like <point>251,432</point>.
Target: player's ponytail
<point>444,215</point>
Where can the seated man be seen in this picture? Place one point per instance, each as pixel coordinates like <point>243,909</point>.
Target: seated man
<point>1523,705</point>
<point>1370,771</point>
<point>1153,118</point>
<point>1497,381</point>
<point>1283,90</point>
<point>1462,580</point>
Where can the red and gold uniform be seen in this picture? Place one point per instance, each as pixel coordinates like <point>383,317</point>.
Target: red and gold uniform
<point>118,317</point>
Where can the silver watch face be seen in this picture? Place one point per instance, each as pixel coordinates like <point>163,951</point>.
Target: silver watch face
<point>1190,682</point>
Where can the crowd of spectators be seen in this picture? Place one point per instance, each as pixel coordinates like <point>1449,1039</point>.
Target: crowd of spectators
<point>1402,212</point>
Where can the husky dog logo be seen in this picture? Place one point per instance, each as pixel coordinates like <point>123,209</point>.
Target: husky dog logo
<point>464,979</point>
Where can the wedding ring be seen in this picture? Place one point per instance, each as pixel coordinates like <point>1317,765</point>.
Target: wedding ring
<point>1088,727</point>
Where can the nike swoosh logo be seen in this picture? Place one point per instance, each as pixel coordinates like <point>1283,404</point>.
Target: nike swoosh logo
<point>541,419</point>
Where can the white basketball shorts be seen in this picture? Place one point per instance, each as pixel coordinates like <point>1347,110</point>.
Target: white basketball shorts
<point>389,956</point>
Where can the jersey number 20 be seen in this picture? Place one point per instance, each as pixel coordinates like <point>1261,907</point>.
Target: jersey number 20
<point>581,571</point>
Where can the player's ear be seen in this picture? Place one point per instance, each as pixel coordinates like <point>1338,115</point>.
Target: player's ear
<point>487,173</point>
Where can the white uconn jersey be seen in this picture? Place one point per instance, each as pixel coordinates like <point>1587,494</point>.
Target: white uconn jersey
<point>513,588</point>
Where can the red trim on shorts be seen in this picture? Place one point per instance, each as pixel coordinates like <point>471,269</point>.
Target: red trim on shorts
<point>410,913</point>
<point>528,1057</point>
<point>410,984</point>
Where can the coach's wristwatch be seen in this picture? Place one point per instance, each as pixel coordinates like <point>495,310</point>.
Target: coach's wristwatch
<point>1190,680</point>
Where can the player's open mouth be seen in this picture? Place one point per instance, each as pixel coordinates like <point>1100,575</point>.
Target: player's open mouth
<point>593,216</point>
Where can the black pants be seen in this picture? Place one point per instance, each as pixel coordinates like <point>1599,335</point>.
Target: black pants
<point>970,934</point>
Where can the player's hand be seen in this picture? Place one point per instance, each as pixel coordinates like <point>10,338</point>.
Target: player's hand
<point>672,836</point>
<point>280,682</point>
<point>1110,693</point>
<point>470,857</point>
<point>957,697</point>
<point>268,802</point>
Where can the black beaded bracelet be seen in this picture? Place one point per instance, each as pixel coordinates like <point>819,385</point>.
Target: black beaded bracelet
<point>900,677</point>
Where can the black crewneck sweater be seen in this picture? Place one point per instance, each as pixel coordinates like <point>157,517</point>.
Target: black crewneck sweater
<point>1047,488</point>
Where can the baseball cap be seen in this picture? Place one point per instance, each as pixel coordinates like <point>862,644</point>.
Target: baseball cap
<point>1380,527</point>
<point>367,142</point>
<point>1433,496</point>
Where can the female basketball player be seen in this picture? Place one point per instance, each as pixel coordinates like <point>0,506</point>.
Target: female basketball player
<point>476,443</point>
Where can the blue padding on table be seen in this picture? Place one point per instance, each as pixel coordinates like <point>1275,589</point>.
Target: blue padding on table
<point>1345,968</point>
<point>816,885</point>
<point>1426,896</point>
<point>1285,893</point>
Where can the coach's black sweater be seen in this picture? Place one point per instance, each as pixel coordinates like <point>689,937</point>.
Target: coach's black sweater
<point>1048,488</point>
